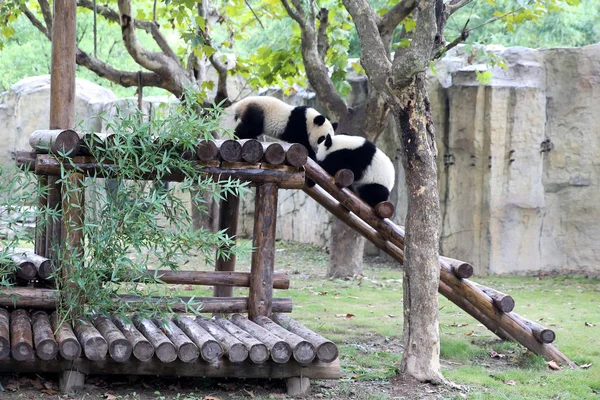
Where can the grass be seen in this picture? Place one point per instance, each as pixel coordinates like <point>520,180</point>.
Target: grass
<point>364,316</point>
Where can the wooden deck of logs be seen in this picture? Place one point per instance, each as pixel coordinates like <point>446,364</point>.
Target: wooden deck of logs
<point>185,345</point>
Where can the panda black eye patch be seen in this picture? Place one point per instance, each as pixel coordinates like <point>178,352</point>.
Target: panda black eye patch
<point>320,140</point>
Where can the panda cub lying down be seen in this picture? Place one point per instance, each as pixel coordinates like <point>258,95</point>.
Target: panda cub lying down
<point>258,115</point>
<point>374,174</point>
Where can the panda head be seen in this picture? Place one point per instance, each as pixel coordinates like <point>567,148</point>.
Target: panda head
<point>317,127</point>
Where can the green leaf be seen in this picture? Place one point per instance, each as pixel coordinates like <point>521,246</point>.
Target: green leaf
<point>484,77</point>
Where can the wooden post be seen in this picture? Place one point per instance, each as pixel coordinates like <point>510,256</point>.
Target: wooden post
<point>228,219</point>
<point>4,333</point>
<point>73,218</point>
<point>53,228</point>
<point>62,96</point>
<point>41,226</point>
<point>260,299</point>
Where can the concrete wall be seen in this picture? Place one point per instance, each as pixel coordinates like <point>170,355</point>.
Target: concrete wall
<point>508,207</point>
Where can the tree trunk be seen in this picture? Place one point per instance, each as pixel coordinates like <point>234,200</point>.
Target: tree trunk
<point>345,251</point>
<point>421,266</point>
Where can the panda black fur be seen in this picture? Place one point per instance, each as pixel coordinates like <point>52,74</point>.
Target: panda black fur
<point>374,173</point>
<point>258,115</point>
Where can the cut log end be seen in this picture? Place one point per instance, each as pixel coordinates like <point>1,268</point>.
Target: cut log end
<point>22,352</point>
<point>26,270</point>
<point>70,349</point>
<point>274,154</point>
<point>505,304</point>
<point>237,353</point>
<point>166,352</point>
<point>385,209</point>
<point>47,349</point>
<point>281,352</point>
<point>463,271</point>
<point>4,348</point>
<point>304,352</point>
<point>211,351</point>
<point>252,151</point>
<point>143,351</point>
<point>231,151</point>
<point>120,350</point>
<point>95,348</point>
<point>207,150</point>
<point>545,336</point>
<point>296,155</point>
<point>327,352</point>
<point>259,353</point>
<point>188,352</point>
<point>344,178</point>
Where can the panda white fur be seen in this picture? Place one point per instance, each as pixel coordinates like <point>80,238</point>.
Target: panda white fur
<point>258,115</point>
<point>374,173</point>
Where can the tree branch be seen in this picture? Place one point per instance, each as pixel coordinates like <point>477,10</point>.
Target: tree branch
<point>47,14</point>
<point>293,13</point>
<point>454,5</point>
<point>322,41</point>
<point>374,57</point>
<point>149,26</point>
<point>36,22</point>
<point>390,20</point>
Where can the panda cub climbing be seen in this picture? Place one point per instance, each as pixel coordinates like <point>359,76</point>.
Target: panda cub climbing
<point>374,173</point>
<point>258,115</point>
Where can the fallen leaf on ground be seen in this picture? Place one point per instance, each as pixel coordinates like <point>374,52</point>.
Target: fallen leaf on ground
<point>211,398</point>
<point>391,316</point>
<point>51,392</point>
<point>585,366</point>
<point>250,393</point>
<point>458,325</point>
<point>493,354</point>
<point>589,324</point>
<point>276,396</point>
<point>109,396</point>
<point>553,365</point>
<point>511,383</point>
<point>347,316</point>
<point>322,293</point>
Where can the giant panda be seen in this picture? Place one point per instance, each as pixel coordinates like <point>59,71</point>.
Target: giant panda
<point>374,173</point>
<point>258,115</point>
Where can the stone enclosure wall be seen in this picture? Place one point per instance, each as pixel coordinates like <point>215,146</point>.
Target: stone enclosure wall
<point>518,159</point>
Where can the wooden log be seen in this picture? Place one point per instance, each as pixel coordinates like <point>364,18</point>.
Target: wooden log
<point>24,268</point>
<point>4,333</point>
<point>341,212</point>
<point>260,299</point>
<point>154,367</point>
<point>542,334</point>
<point>55,141</point>
<point>279,349</point>
<point>235,350</point>
<point>502,301</point>
<point>273,153</point>
<point>40,226</point>
<point>73,205</point>
<point>327,351</point>
<point>304,352</point>
<point>257,351</point>
<point>48,165</point>
<point>95,140</point>
<point>28,298</point>
<point>187,351</point>
<point>25,160</point>
<point>210,350</point>
<point>385,209</point>
<point>211,278</point>
<point>461,269</point>
<point>43,266</point>
<point>207,150</point>
<point>119,347</point>
<point>252,150</point>
<point>164,349</point>
<point>21,336</point>
<point>230,150</point>
<point>295,154</point>
<point>54,227</point>
<point>344,178</point>
<point>141,347</point>
<point>94,345</point>
<point>46,346</point>
<point>68,345</point>
<point>228,221</point>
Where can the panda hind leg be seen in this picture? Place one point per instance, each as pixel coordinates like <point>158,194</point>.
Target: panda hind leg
<point>252,123</point>
<point>373,193</point>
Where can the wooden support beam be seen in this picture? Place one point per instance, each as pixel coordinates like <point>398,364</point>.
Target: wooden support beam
<point>54,225</point>
<point>260,300</point>
<point>41,227</point>
<point>73,205</point>
<point>212,278</point>
<point>228,221</point>
<point>344,178</point>
<point>461,269</point>
<point>502,301</point>
<point>285,179</point>
<point>56,141</point>
<point>21,335</point>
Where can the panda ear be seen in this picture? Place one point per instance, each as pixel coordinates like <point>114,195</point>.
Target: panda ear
<point>319,120</point>
<point>335,126</point>
<point>328,141</point>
